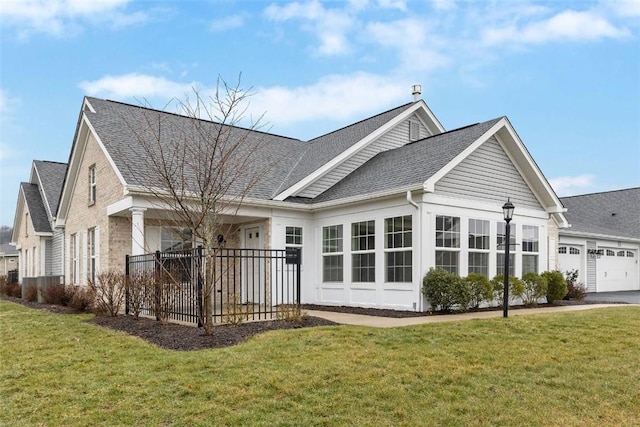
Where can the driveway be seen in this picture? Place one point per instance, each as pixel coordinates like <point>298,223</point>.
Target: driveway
<point>631,297</point>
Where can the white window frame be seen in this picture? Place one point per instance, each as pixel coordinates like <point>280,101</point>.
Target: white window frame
<point>500,238</point>
<point>485,249</point>
<point>394,249</point>
<point>530,246</point>
<point>363,232</point>
<point>333,250</point>
<point>91,254</point>
<point>447,243</point>
<point>294,238</point>
<point>92,184</point>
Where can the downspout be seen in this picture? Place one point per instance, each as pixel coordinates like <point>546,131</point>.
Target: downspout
<point>418,304</point>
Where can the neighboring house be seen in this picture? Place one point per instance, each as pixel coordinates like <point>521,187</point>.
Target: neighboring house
<point>373,205</point>
<point>603,242</point>
<point>38,241</point>
<point>8,258</point>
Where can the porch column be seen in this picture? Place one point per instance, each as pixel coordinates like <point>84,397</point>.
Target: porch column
<point>137,231</point>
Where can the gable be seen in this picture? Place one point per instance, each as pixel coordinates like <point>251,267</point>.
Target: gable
<point>396,137</point>
<point>489,175</point>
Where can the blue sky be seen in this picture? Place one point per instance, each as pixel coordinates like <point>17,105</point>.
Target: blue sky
<point>566,74</point>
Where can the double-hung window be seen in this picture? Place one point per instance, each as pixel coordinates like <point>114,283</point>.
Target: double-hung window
<point>293,239</point>
<point>479,237</point>
<point>512,245</point>
<point>398,241</point>
<point>448,243</point>
<point>332,262</point>
<point>530,248</point>
<point>363,256</point>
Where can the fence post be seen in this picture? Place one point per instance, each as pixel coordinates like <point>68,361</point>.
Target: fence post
<point>158,286</point>
<point>298,275</point>
<point>199,285</point>
<point>126,285</point>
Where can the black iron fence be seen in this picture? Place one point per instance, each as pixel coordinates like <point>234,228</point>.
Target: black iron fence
<point>241,284</point>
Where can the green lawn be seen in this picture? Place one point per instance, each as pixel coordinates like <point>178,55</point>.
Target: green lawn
<point>579,368</point>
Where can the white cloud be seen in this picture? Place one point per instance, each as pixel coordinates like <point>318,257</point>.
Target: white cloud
<point>568,185</point>
<point>59,17</point>
<point>329,26</point>
<point>336,97</point>
<point>444,4</point>
<point>565,26</point>
<point>226,23</point>
<point>624,8</point>
<point>393,4</point>
<point>136,85</point>
<point>4,102</point>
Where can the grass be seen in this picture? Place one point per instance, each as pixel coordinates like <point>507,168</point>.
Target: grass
<point>579,368</point>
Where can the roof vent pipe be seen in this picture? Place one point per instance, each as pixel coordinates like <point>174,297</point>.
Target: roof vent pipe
<point>416,92</point>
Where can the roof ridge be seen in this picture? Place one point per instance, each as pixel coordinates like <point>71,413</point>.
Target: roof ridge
<point>453,130</point>
<point>51,161</point>
<point>360,121</point>
<point>601,192</point>
<point>192,118</point>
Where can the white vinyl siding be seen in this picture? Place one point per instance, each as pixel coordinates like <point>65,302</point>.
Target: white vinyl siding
<point>488,175</point>
<point>591,268</point>
<point>396,137</point>
<point>57,252</point>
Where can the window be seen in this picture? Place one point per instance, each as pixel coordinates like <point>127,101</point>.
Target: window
<point>73,252</point>
<point>621,253</point>
<point>398,240</point>
<point>175,238</point>
<point>610,252</point>
<point>530,244</point>
<point>91,253</point>
<point>448,236</point>
<point>501,233</point>
<point>630,254</point>
<point>500,264</point>
<point>92,184</point>
<point>574,251</point>
<point>562,250</point>
<point>293,239</point>
<point>332,262</point>
<point>479,246</point>
<point>363,257</point>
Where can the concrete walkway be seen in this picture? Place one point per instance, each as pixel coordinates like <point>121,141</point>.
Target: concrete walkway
<point>388,322</point>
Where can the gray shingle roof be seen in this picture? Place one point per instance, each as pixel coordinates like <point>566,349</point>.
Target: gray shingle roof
<point>411,164</point>
<point>37,211</point>
<point>278,161</point>
<point>613,213</point>
<point>7,249</point>
<point>322,149</point>
<point>51,177</point>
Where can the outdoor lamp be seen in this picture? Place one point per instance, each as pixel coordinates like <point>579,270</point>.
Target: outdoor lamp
<point>507,210</point>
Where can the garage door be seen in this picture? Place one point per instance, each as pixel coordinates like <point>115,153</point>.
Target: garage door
<point>617,271</point>
<point>571,258</point>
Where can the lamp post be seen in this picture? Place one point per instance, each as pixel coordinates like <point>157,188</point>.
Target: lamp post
<point>507,211</point>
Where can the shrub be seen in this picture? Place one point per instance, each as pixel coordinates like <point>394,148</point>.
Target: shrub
<point>81,298</point>
<point>535,287</point>
<point>235,313</point>
<point>445,290</point>
<point>575,289</point>
<point>556,285</point>
<point>56,294</point>
<point>14,290</point>
<point>31,294</point>
<point>3,285</point>
<point>290,313</point>
<point>140,286</point>
<point>480,289</point>
<point>516,289</point>
<point>109,291</point>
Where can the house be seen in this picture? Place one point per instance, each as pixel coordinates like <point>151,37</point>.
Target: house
<point>38,241</point>
<point>373,205</point>
<point>8,259</point>
<point>603,242</point>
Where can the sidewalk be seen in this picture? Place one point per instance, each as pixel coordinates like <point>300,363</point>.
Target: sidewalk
<point>388,322</point>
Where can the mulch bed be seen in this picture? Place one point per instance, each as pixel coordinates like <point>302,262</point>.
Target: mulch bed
<point>183,337</point>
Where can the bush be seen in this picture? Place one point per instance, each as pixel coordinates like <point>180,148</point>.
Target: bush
<point>109,291</point>
<point>81,298</point>
<point>31,294</point>
<point>445,290</point>
<point>480,289</point>
<point>290,313</point>
<point>535,287</point>
<point>14,290</point>
<point>3,285</point>
<point>516,289</point>
<point>140,287</point>
<point>556,285</point>
<point>57,294</point>
<point>575,289</point>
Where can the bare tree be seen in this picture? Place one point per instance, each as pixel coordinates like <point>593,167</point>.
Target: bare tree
<point>198,167</point>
